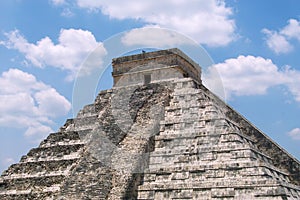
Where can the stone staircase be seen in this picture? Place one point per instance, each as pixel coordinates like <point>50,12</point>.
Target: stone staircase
<point>201,154</point>
<point>94,155</point>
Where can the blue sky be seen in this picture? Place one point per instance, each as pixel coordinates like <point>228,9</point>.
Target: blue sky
<point>254,44</point>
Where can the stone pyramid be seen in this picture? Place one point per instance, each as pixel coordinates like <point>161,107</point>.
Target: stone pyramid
<point>157,134</point>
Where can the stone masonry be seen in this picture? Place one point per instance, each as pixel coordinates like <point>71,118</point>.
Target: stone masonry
<point>157,134</point>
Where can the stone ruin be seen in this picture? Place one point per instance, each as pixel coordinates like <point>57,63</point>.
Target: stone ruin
<point>157,134</point>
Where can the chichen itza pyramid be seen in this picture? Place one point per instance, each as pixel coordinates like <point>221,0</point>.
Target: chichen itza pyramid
<point>159,133</point>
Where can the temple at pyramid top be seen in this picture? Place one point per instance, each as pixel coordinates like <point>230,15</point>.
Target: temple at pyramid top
<point>154,66</point>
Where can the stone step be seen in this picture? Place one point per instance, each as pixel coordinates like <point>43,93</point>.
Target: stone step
<point>201,158</point>
<point>214,174</point>
<point>207,184</point>
<point>86,121</point>
<point>87,111</point>
<point>39,167</point>
<point>200,104</point>
<point>214,165</point>
<point>34,183</point>
<point>63,143</point>
<point>28,195</point>
<point>61,136</point>
<point>272,192</point>
<point>228,136</point>
<point>34,175</point>
<point>195,155</point>
<point>52,152</point>
<point>178,148</point>
<point>260,187</point>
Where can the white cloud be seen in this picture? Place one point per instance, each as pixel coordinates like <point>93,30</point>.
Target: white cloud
<point>153,36</point>
<point>249,75</point>
<point>16,81</point>
<point>50,100</point>
<point>72,49</point>
<point>280,41</point>
<point>38,132</point>
<point>277,42</point>
<point>295,134</point>
<point>67,13</point>
<point>196,18</point>
<point>292,30</point>
<point>28,103</point>
<point>292,81</point>
<point>58,2</point>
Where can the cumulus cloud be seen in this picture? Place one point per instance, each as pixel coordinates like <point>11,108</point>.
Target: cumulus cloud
<point>28,103</point>
<point>277,42</point>
<point>153,36</point>
<point>196,18</point>
<point>280,41</point>
<point>292,80</point>
<point>292,30</point>
<point>250,75</point>
<point>295,134</point>
<point>72,49</point>
<point>36,133</point>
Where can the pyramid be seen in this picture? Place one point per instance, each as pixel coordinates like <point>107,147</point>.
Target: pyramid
<point>159,133</point>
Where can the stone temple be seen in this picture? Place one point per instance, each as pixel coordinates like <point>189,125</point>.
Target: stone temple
<point>159,133</point>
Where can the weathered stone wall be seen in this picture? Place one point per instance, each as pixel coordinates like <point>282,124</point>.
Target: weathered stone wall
<point>156,73</point>
<point>170,57</point>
